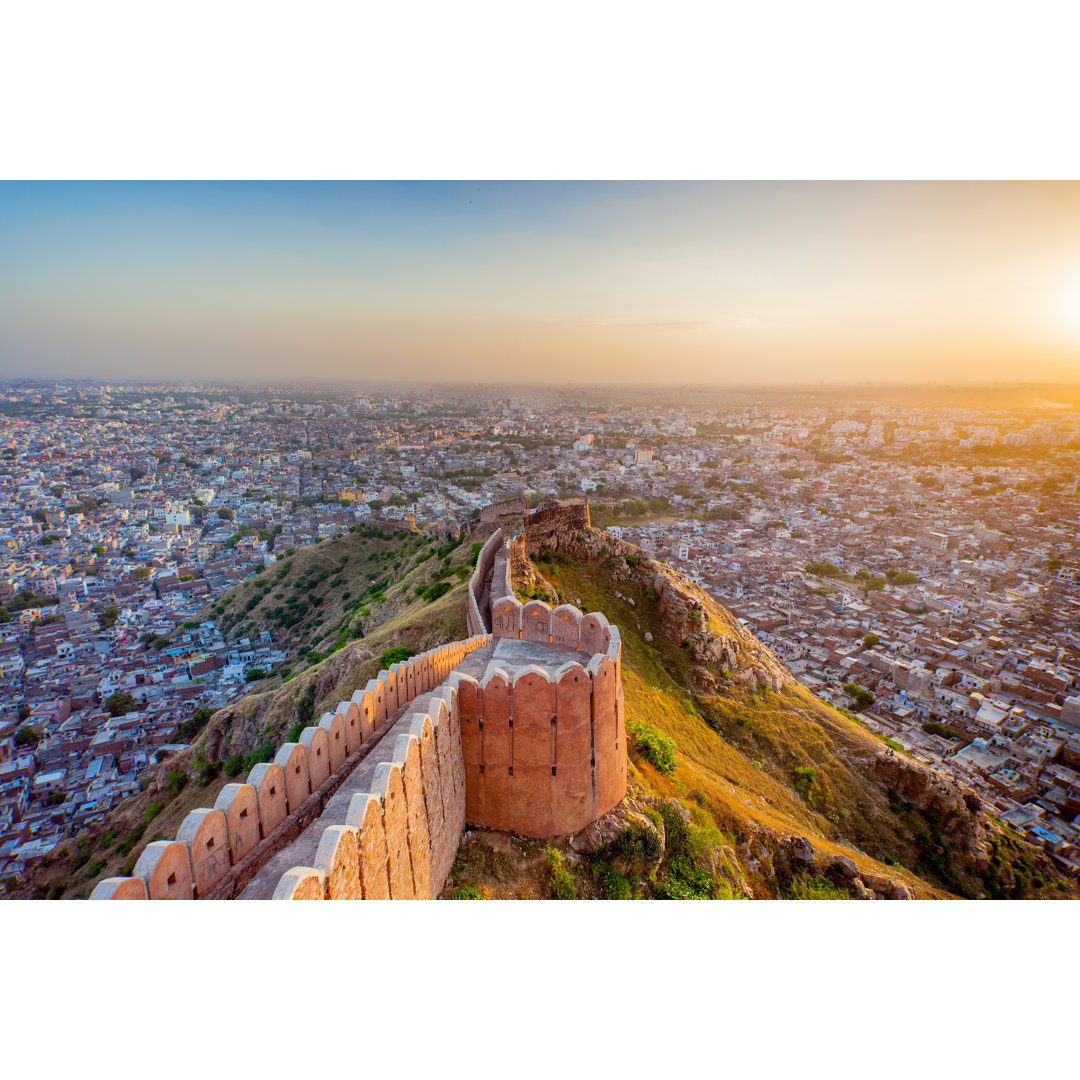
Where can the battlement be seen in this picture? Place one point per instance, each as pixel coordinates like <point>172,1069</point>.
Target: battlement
<point>280,798</point>
<point>400,835</point>
<point>555,514</point>
<point>543,731</point>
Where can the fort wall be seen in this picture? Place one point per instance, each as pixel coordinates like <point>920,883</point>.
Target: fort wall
<point>536,744</point>
<point>400,836</point>
<point>477,624</point>
<point>281,796</point>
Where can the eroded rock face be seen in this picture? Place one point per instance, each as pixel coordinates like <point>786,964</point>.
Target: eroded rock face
<point>630,813</point>
<point>687,615</point>
<point>958,808</point>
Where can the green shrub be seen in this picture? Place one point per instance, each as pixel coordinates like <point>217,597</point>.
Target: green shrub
<point>466,892</point>
<point>234,764</point>
<point>560,879</point>
<point>262,753</point>
<point>133,837</point>
<point>191,727</point>
<point>433,592</point>
<point>805,781</point>
<point>932,727</point>
<point>676,831</point>
<point>295,732</point>
<point>816,888</point>
<point>614,885</point>
<point>175,781</point>
<point>95,868</point>
<point>863,697</point>
<point>152,811</point>
<point>656,747</point>
<point>395,655</point>
<point>638,845</point>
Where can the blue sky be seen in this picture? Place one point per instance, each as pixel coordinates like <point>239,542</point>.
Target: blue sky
<point>700,282</point>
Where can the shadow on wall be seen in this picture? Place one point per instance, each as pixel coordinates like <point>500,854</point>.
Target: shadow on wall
<point>477,624</point>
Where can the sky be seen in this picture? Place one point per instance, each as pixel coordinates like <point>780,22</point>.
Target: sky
<point>545,283</point>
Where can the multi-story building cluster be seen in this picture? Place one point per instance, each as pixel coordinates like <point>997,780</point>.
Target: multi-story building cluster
<point>916,564</point>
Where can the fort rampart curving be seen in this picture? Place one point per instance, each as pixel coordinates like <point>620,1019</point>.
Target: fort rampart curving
<point>282,796</point>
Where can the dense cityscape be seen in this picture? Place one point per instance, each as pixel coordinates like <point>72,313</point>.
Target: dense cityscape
<point>915,566</point>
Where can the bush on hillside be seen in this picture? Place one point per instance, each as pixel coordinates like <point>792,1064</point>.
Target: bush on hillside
<point>395,655</point>
<point>653,745</point>
<point>560,879</point>
<point>815,888</point>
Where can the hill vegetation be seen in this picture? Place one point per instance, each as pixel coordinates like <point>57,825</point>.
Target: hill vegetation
<point>316,598</point>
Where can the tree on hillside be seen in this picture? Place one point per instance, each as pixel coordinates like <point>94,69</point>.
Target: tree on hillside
<point>863,698</point>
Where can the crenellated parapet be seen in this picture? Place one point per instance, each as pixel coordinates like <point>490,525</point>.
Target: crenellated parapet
<point>249,815</point>
<point>401,834</point>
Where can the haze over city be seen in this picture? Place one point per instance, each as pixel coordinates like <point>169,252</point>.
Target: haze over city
<point>644,283</point>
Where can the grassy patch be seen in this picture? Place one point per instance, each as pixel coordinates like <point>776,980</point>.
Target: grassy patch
<point>816,888</point>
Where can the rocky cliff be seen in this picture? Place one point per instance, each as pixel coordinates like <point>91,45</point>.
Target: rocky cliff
<point>688,616</point>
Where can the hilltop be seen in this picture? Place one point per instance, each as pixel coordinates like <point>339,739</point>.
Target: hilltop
<point>765,790</point>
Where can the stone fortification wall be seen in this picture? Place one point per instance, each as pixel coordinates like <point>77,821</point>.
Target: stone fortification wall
<point>279,798</point>
<point>545,747</point>
<point>477,624</point>
<point>509,511</point>
<point>554,514</point>
<point>400,837</point>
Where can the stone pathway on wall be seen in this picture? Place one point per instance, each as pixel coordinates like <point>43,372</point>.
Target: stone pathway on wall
<point>301,852</point>
<point>509,655</point>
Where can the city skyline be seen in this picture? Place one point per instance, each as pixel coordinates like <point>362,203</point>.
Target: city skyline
<point>657,283</point>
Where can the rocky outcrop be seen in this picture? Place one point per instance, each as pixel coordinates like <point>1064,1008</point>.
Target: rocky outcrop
<point>718,644</point>
<point>631,813</point>
<point>957,808</point>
